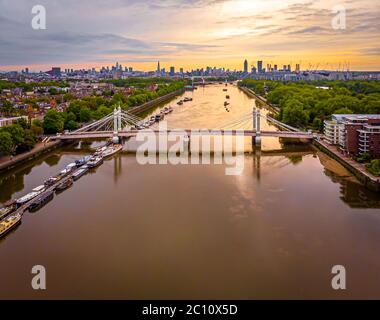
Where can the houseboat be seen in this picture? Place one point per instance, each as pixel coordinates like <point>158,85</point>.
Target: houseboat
<point>41,201</point>
<point>9,224</point>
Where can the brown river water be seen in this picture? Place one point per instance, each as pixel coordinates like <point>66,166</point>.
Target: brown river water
<point>131,231</point>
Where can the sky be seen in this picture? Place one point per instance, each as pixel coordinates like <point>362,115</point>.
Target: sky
<point>190,34</point>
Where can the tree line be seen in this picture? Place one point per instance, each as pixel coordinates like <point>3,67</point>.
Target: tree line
<point>307,104</point>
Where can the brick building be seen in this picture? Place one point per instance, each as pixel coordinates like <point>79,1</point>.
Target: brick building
<point>354,133</point>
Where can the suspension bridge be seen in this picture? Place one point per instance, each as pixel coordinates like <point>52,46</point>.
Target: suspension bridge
<point>121,124</point>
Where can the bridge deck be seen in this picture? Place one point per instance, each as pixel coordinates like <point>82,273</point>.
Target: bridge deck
<point>188,132</point>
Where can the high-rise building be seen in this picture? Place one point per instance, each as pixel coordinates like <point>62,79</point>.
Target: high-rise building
<point>275,67</point>
<point>245,66</point>
<point>181,70</point>
<point>56,71</point>
<point>289,68</point>
<point>172,71</point>
<point>158,67</point>
<point>259,66</point>
<point>298,68</point>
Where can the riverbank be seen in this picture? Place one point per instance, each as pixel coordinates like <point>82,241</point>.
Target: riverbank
<point>252,94</point>
<point>151,104</point>
<point>10,162</point>
<point>357,169</point>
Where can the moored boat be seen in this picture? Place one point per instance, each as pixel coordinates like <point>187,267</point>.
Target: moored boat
<point>64,185</point>
<point>180,102</point>
<point>112,150</point>
<point>9,223</point>
<point>95,162</point>
<point>42,200</point>
<point>79,173</point>
<point>159,117</point>
<point>7,209</point>
<point>35,192</point>
<point>82,161</point>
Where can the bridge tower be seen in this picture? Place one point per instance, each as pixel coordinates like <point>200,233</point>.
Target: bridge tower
<point>256,141</point>
<point>116,124</point>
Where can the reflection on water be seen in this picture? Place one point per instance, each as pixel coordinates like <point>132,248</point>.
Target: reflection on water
<point>189,231</point>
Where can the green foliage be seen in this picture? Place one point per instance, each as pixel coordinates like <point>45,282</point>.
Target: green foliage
<point>374,167</point>
<point>6,143</point>
<point>29,141</point>
<point>53,122</point>
<point>363,158</point>
<point>7,108</point>
<point>315,104</point>
<point>85,115</point>
<point>294,113</point>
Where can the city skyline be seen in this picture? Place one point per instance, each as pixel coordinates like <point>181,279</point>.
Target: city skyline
<point>190,34</point>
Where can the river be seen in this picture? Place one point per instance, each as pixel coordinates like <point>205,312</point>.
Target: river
<point>131,231</point>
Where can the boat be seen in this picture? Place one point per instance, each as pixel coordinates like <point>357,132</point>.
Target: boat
<point>80,172</point>
<point>52,180</point>
<point>95,162</point>
<point>159,117</point>
<point>70,167</point>
<point>227,96</point>
<point>42,200</point>
<point>9,224</point>
<point>187,99</point>
<point>180,103</point>
<point>82,161</point>
<point>225,90</point>
<point>168,110</point>
<point>112,150</point>
<point>226,103</point>
<point>35,192</point>
<point>64,185</point>
<point>99,151</point>
<point>7,209</point>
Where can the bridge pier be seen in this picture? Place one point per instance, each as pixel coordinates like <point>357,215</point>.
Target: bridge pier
<point>256,140</point>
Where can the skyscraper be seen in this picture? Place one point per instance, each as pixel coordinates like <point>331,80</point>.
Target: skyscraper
<point>259,66</point>
<point>246,66</point>
<point>172,71</point>
<point>158,67</point>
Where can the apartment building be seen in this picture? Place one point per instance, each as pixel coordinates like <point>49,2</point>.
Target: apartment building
<point>354,133</point>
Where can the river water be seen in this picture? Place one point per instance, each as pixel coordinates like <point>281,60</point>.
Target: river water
<point>129,231</point>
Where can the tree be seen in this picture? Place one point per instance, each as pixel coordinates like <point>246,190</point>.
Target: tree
<point>37,130</point>
<point>71,125</point>
<point>294,114</point>
<point>85,115</point>
<point>374,167</point>
<point>22,123</point>
<point>6,143</point>
<point>53,122</point>
<point>29,140</point>
<point>343,111</point>
<point>7,108</point>
<point>17,135</point>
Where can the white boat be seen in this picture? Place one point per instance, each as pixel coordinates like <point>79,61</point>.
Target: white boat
<point>31,195</point>
<point>80,172</point>
<point>95,162</point>
<point>112,150</point>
